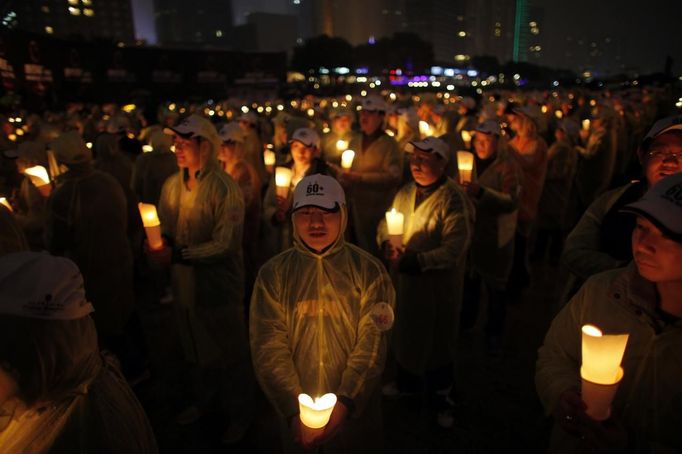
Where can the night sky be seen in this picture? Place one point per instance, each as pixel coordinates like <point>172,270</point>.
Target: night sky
<point>631,35</point>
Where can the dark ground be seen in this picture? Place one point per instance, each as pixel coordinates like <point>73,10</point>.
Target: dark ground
<point>497,408</point>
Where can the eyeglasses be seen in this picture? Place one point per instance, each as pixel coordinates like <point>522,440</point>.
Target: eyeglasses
<point>661,155</point>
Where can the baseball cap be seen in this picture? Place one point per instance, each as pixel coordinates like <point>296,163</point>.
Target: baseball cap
<point>661,126</point>
<point>30,150</point>
<point>39,285</point>
<point>231,132</point>
<point>194,126</point>
<point>374,103</point>
<point>307,137</point>
<point>489,127</point>
<point>249,117</point>
<point>430,145</point>
<point>340,111</point>
<point>69,148</point>
<point>320,191</point>
<point>662,205</point>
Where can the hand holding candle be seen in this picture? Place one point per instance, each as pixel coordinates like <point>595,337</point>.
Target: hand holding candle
<point>152,225</point>
<point>347,159</point>
<point>314,414</point>
<point>601,372</point>
<point>395,221</point>
<point>465,166</point>
<point>40,178</point>
<point>283,177</point>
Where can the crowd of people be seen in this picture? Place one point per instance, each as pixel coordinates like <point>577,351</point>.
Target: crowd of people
<point>335,245</point>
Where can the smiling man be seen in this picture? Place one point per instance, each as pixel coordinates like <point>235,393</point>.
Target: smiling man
<point>319,313</point>
<point>643,300</point>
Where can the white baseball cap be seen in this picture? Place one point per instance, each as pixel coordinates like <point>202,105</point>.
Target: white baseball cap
<point>194,126</point>
<point>489,127</point>
<point>374,103</point>
<point>39,285</point>
<point>662,205</point>
<point>320,191</point>
<point>231,132</point>
<point>307,137</point>
<point>430,145</point>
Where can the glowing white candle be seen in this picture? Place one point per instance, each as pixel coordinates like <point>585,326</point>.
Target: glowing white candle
<point>283,177</point>
<point>315,413</point>
<point>466,137</point>
<point>559,114</point>
<point>4,202</point>
<point>347,159</point>
<point>424,129</point>
<point>147,148</point>
<point>586,124</point>
<point>395,222</point>
<point>152,225</point>
<point>465,165</point>
<point>601,371</point>
<point>38,175</point>
<point>269,159</point>
<point>341,144</point>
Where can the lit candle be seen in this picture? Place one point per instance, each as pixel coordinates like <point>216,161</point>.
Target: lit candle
<point>465,165</point>
<point>315,414</point>
<point>544,109</point>
<point>424,129</point>
<point>601,371</point>
<point>89,145</point>
<point>586,124</point>
<point>152,225</point>
<point>347,159</point>
<point>147,148</point>
<point>466,137</point>
<point>390,133</point>
<point>283,177</point>
<point>269,159</point>
<point>395,221</point>
<point>559,114</point>
<point>38,175</point>
<point>4,202</point>
<point>341,144</point>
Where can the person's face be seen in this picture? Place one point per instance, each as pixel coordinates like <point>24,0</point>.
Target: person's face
<point>187,152</point>
<point>485,145</point>
<point>559,135</point>
<point>426,167</point>
<point>302,155</point>
<point>658,258</point>
<point>245,125</point>
<point>370,122</point>
<point>227,152</point>
<point>514,122</point>
<point>317,228</point>
<point>341,124</point>
<point>663,158</point>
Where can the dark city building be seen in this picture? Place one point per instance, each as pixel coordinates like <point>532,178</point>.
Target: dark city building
<point>195,23</point>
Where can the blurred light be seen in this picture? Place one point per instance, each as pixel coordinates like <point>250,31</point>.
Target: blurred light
<point>462,34</point>
<point>73,2</point>
<point>245,109</point>
<point>172,148</point>
<point>361,79</point>
<point>280,107</point>
<point>392,96</point>
<point>461,57</point>
<point>450,87</point>
<point>130,135</point>
<point>268,109</point>
<point>19,131</point>
<point>182,110</point>
<point>147,148</point>
<point>260,109</point>
<point>326,130</point>
<point>12,137</point>
<point>88,12</point>
<point>74,11</point>
<point>171,107</point>
<point>349,98</point>
<point>363,93</point>
<point>559,114</point>
<point>555,84</point>
<point>436,70</point>
<point>211,112</point>
<point>89,145</point>
<point>49,30</point>
<point>128,108</point>
<point>310,112</point>
<point>219,33</point>
<point>86,2</point>
<point>389,133</point>
<point>341,70</point>
<point>517,76</point>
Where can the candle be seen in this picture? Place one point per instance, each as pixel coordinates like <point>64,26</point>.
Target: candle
<point>38,175</point>
<point>269,159</point>
<point>283,181</point>
<point>315,413</point>
<point>559,114</point>
<point>424,129</point>
<point>601,371</point>
<point>466,137</point>
<point>395,221</point>
<point>152,225</point>
<point>4,202</point>
<point>465,165</point>
<point>89,145</point>
<point>347,159</point>
<point>147,148</point>
<point>341,144</point>
<point>586,124</point>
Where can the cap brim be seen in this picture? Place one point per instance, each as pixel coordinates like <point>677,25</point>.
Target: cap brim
<point>640,209</point>
<point>11,154</point>
<point>177,132</point>
<point>336,207</point>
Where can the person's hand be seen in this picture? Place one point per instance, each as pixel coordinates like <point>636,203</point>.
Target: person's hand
<point>472,188</point>
<point>335,424</point>
<point>570,412</point>
<point>283,205</point>
<point>159,257</point>
<point>391,254</point>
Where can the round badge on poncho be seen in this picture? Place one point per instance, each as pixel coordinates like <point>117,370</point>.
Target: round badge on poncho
<point>382,316</point>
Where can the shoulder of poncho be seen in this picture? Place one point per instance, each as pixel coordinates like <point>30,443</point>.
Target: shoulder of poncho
<point>364,258</point>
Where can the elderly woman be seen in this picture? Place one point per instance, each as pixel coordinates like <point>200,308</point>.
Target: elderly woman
<point>57,392</point>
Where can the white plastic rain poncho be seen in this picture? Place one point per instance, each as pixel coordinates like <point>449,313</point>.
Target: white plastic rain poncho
<point>439,232</point>
<point>312,332</point>
<point>70,398</point>
<point>208,283</point>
